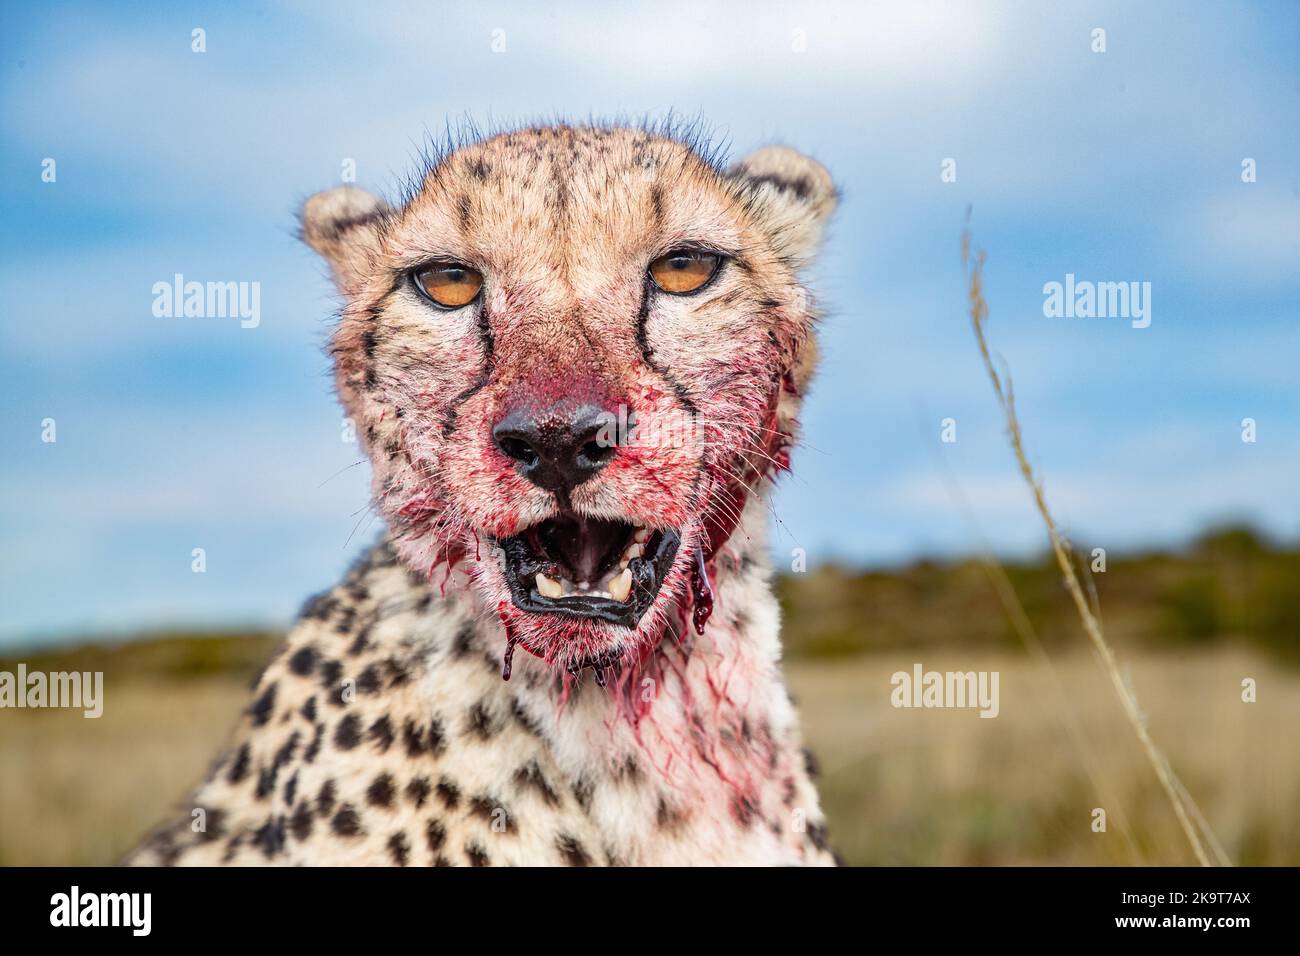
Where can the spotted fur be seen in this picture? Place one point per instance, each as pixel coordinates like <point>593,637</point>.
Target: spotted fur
<point>383,732</point>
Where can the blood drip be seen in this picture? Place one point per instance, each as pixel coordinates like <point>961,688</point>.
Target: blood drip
<point>511,640</point>
<point>701,593</point>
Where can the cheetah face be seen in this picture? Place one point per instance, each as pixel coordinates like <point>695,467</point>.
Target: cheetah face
<point>572,354</point>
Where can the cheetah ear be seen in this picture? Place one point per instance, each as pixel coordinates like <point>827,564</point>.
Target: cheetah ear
<point>791,194</point>
<point>344,225</point>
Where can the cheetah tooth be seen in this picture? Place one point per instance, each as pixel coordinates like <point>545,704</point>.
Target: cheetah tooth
<point>549,587</point>
<point>621,586</point>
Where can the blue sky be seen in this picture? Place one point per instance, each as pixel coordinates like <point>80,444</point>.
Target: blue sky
<point>1117,166</point>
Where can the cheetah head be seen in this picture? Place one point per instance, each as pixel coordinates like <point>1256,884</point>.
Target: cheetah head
<point>571,355</point>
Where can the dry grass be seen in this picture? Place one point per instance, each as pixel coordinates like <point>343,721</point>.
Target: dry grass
<point>949,788</point>
<point>81,792</point>
<point>900,786</point>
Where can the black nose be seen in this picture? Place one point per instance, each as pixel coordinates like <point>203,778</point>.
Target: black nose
<point>556,448</point>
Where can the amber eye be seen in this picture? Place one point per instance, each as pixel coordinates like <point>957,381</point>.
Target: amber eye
<point>684,270</point>
<point>450,284</point>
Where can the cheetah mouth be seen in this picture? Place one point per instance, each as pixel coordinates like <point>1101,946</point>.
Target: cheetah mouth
<point>589,568</point>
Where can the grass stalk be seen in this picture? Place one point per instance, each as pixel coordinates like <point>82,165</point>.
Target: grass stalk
<point>973,263</point>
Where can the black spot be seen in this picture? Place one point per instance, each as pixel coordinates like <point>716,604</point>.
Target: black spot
<point>360,642</point>
<point>629,771</point>
<point>571,851</point>
<point>309,710</point>
<point>399,849</point>
<point>436,834</point>
<point>667,817</point>
<point>263,706</point>
<point>325,798</point>
<point>303,661</point>
<point>266,781</point>
<point>348,733</point>
<point>436,738</point>
<point>314,747</point>
<point>419,742</point>
<point>810,764</point>
<point>480,721</point>
<point>530,777</point>
<point>291,789</point>
<point>346,822</point>
<point>287,750</point>
<point>418,790</point>
<point>479,169</point>
<point>448,793</point>
<point>381,734</point>
<point>523,718</point>
<point>817,835</point>
<point>318,607</point>
<point>463,643</point>
<point>270,836</point>
<point>300,823</point>
<point>239,769</point>
<point>398,675</point>
<point>368,343</point>
<point>369,681</point>
<point>583,789</point>
<point>490,811</point>
<point>476,855</point>
<point>331,673</point>
<point>743,809</point>
<point>380,791</point>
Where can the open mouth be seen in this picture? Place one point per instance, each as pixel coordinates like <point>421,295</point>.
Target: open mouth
<point>589,568</point>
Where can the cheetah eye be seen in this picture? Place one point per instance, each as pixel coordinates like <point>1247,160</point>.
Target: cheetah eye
<point>683,271</point>
<point>450,284</point>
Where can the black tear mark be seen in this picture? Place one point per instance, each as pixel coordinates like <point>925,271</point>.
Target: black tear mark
<point>488,341</point>
<point>647,353</point>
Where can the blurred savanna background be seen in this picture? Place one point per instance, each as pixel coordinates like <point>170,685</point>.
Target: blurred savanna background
<point>144,141</point>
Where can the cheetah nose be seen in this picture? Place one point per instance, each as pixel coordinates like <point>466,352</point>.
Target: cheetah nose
<point>556,448</point>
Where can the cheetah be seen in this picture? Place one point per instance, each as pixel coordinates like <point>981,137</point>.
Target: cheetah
<point>575,357</point>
